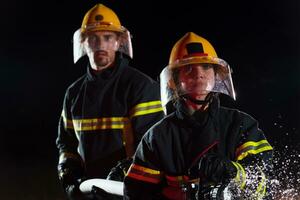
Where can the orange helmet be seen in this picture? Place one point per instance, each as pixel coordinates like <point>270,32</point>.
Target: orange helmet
<point>193,49</point>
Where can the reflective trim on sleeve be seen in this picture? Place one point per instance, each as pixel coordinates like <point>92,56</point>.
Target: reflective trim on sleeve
<point>122,123</point>
<point>146,108</point>
<point>100,123</point>
<point>144,174</point>
<point>240,175</point>
<point>261,189</point>
<point>252,147</point>
<point>68,124</point>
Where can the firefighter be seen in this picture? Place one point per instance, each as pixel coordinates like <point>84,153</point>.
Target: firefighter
<point>106,111</point>
<point>202,150</point>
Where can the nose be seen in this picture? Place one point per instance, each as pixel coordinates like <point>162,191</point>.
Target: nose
<point>100,43</point>
<point>199,72</point>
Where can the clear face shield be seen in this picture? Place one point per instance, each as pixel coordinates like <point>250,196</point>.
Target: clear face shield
<point>79,50</point>
<point>196,77</point>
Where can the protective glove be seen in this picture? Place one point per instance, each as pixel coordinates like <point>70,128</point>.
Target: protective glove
<point>118,172</point>
<point>70,174</point>
<point>73,192</point>
<point>210,192</point>
<point>216,168</point>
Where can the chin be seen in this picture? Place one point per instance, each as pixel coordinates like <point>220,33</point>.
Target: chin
<point>102,64</point>
<point>199,96</point>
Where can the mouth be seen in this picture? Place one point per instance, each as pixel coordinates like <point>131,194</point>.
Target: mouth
<point>101,53</point>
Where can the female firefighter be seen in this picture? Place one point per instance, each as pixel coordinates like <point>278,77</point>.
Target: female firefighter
<point>202,150</point>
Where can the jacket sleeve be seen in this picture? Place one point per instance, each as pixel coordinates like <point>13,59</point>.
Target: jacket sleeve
<point>144,177</point>
<point>253,160</point>
<point>145,108</point>
<point>66,141</point>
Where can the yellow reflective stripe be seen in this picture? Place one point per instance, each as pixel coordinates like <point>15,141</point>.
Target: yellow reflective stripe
<point>245,154</point>
<point>100,123</point>
<point>241,174</point>
<point>261,189</point>
<point>68,124</point>
<point>237,177</point>
<point>144,169</point>
<point>144,174</point>
<point>251,143</point>
<point>145,112</point>
<point>146,108</point>
<point>252,148</point>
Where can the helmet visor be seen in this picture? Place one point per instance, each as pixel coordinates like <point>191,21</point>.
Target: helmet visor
<point>195,79</point>
<point>79,49</point>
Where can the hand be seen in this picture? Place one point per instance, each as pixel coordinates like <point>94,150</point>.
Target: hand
<point>70,174</point>
<point>211,192</point>
<point>216,168</point>
<point>73,192</point>
<point>118,172</point>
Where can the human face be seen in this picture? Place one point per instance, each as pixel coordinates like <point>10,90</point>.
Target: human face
<point>101,47</point>
<point>197,80</point>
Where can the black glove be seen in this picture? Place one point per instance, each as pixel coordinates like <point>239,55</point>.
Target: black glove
<point>70,174</point>
<point>210,192</point>
<point>216,168</point>
<point>118,172</point>
<point>73,192</point>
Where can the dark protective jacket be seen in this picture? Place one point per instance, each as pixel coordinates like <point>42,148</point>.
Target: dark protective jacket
<point>170,148</point>
<point>105,115</point>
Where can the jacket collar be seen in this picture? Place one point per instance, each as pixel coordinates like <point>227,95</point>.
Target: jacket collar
<point>106,74</point>
<point>198,118</point>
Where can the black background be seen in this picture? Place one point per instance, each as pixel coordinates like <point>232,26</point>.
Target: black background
<point>259,39</point>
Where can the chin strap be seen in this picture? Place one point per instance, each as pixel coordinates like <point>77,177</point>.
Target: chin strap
<point>209,98</point>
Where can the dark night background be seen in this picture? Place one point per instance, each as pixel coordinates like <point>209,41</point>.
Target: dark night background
<point>259,39</point>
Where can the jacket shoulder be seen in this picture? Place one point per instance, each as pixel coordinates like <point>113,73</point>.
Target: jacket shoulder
<point>161,128</point>
<point>76,85</point>
<point>137,76</point>
<point>235,113</point>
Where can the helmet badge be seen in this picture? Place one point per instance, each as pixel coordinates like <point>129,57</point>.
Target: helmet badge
<point>98,17</point>
<point>195,48</point>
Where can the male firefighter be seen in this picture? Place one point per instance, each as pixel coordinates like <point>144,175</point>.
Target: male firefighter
<point>202,150</point>
<point>106,111</point>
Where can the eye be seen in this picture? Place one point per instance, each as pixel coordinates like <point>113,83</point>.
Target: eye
<point>207,66</point>
<point>187,69</point>
<point>92,38</point>
<point>108,38</point>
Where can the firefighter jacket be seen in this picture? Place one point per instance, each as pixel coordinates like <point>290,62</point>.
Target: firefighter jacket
<point>169,149</point>
<point>105,115</point>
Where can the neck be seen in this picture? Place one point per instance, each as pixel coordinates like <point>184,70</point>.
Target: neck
<point>99,69</point>
<point>192,107</point>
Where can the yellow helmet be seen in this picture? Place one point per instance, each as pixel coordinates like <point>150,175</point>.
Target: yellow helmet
<point>193,49</point>
<point>101,18</point>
